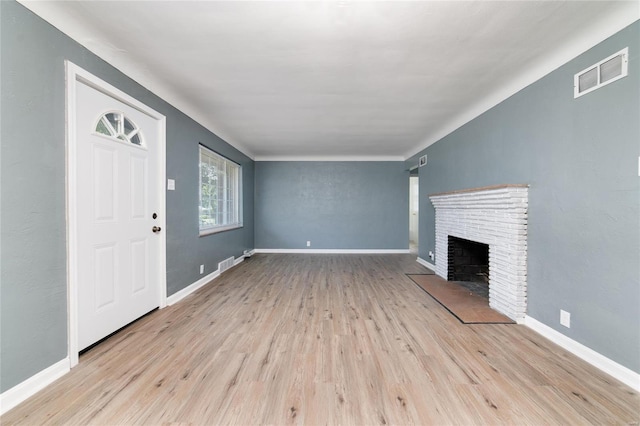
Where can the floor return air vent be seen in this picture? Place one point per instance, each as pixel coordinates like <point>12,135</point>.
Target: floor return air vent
<point>225,264</point>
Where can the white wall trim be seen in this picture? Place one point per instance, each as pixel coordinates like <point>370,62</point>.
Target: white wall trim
<point>73,75</point>
<point>329,158</point>
<point>426,264</point>
<point>592,35</point>
<point>589,38</point>
<point>335,251</point>
<point>181,294</point>
<point>20,392</point>
<point>75,29</point>
<point>617,371</point>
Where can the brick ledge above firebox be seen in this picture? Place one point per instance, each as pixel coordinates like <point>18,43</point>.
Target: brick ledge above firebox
<point>496,216</point>
<point>481,188</point>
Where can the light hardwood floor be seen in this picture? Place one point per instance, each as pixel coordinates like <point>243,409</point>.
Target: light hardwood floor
<point>325,339</point>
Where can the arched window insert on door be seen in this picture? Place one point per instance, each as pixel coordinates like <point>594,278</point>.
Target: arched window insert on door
<point>116,125</point>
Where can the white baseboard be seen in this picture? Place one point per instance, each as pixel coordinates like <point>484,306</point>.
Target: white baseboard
<point>617,371</point>
<point>39,381</point>
<point>179,295</point>
<point>20,392</point>
<point>334,251</point>
<point>426,264</point>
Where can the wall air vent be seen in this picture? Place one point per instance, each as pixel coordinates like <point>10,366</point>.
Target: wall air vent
<point>604,72</point>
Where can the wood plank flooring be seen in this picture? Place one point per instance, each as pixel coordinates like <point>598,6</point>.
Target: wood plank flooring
<point>325,339</point>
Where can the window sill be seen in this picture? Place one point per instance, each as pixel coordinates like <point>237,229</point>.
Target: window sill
<point>209,231</point>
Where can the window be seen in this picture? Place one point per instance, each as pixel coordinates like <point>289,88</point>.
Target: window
<point>220,193</point>
<point>116,125</point>
<point>604,72</point>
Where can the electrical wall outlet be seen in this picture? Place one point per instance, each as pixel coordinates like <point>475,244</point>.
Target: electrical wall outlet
<point>565,318</point>
<point>308,243</point>
<point>431,255</point>
<point>201,269</point>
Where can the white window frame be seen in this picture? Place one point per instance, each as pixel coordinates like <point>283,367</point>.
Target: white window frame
<point>624,72</point>
<point>229,167</point>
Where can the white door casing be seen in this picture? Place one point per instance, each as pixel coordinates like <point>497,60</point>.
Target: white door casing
<point>117,269</point>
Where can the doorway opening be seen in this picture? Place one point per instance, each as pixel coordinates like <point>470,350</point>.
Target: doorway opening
<point>413,210</point>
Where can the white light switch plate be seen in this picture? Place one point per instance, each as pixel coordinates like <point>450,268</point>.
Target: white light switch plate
<point>171,184</point>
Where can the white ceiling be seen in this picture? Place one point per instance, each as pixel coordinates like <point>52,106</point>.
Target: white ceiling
<point>336,80</point>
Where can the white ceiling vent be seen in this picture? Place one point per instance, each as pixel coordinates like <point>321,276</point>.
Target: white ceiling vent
<point>604,72</point>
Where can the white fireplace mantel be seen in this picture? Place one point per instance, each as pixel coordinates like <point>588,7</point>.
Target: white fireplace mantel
<point>496,216</point>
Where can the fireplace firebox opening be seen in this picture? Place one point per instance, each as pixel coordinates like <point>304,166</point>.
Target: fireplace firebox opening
<point>468,261</point>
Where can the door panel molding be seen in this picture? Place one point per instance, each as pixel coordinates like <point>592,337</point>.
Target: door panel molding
<point>75,75</point>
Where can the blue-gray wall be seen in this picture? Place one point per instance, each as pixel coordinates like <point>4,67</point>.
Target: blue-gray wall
<point>33,280</point>
<point>580,157</point>
<point>335,205</point>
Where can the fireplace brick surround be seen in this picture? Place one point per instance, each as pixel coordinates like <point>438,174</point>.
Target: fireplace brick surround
<point>497,216</point>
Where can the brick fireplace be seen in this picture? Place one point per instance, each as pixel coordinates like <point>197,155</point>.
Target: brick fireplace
<point>495,216</point>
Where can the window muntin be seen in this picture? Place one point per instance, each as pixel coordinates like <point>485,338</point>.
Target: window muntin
<point>220,206</point>
<point>116,125</point>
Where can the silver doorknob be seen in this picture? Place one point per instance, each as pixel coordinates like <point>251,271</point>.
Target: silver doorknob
<point>156,229</point>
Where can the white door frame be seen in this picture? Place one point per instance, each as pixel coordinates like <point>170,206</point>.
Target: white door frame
<point>74,75</point>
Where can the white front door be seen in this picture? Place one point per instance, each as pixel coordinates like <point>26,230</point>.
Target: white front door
<point>118,249</point>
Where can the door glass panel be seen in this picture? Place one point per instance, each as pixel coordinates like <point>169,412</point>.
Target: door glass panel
<point>102,128</point>
<point>114,120</point>
<point>135,139</point>
<point>116,125</point>
<point>128,126</point>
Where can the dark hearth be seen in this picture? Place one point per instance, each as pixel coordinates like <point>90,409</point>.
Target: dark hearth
<point>479,289</point>
<point>468,261</point>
